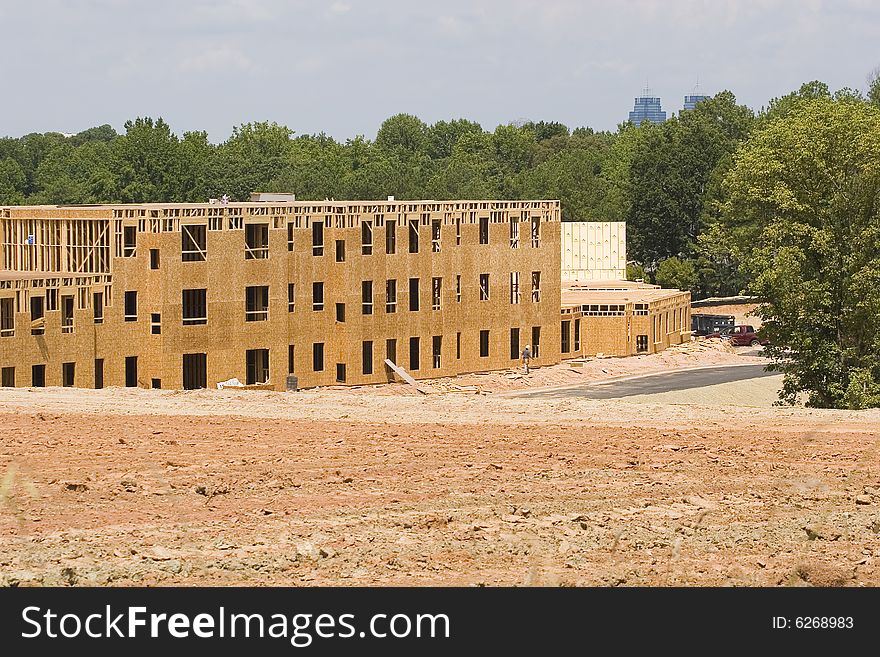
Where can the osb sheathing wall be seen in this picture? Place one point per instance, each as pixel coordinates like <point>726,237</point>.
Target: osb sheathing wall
<point>226,273</point>
<point>667,323</point>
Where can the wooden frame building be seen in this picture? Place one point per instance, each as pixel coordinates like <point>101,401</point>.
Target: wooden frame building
<point>189,295</point>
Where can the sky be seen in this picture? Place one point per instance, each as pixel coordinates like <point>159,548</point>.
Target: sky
<point>344,66</point>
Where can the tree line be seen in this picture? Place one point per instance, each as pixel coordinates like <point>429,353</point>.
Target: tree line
<point>783,203</point>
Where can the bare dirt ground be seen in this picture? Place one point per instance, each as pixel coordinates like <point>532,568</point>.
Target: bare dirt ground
<point>141,487</point>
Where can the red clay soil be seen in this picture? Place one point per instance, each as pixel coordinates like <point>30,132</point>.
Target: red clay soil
<point>630,497</point>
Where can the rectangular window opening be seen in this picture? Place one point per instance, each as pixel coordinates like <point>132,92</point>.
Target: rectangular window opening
<point>38,376</point>
<point>193,243</point>
<point>131,306</point>
<point>484,230</point>
<point>436,289</point>
<point>391,351</point>
<point>367,357</point>
<point>257,366</point>
<point>436,350</point>
<point>414,354</point>
<point>318,296</point>
<point>131,371</point>
<point>414,236</point>
<point>435,236</point>
<point>390,237</point>
<point>99,373</point>
<point>195,371</point>
<point>7,318</point>
<point>484,344</point>
<point>566,336</point>
<point>391,296</point>
<point>194,307</point>
<point>318,238</point>
<point>318,357</point>
<point>256,241</point>
<point>367,297</point>
<point>67,314</point>
<point>366,238</point>
<point>414,294</point>
<point>514,344</point>
<point>68,374</point>
<point>98,307</point>
<point>38,321</point>
<point>256,307</point>
<point>129,241</point>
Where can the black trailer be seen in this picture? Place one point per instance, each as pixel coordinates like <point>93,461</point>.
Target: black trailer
<point>707,324</point>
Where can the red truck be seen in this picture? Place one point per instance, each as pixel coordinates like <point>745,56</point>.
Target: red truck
<point>743,335</point>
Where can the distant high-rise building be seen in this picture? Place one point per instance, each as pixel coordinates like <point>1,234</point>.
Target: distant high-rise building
<point>695,97</point>
<point>690,102</point>
<point>647,108</point>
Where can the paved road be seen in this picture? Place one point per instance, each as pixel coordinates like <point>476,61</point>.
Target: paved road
<point>662,382</point>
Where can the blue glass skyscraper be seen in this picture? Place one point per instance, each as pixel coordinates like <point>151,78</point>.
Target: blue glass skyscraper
<point>647,108</point>
<point>691,101</point>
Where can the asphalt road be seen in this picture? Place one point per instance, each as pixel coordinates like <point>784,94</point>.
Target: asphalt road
<point>654,383</point>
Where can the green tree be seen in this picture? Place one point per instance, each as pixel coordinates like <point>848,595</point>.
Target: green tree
<point>12,182</point>
<point>402,132</point>
<point>146,162</point>
<point>636,272</point>
<point>444,135</point>
<point>676,273</point>
<point>80,174</point>
<point>671,173</point>
<point>874,86</point>
<point>252,157</point>
<point>811,178</point>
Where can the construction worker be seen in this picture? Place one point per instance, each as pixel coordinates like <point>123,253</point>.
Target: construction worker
<point>526,356</point>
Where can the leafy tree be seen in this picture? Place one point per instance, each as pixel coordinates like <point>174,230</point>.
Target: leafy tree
<point>146,162</point>
<point>12,182</point>
<point>444,135</point>
<point>249,160</point>
<point>71,174</point>
<point>103,133</point>
<point>676,273</point>
<point>636,272</point>
<point>461,176</point>
<point>670,175</point>
<point>402,132</point>
<point>547,130</point>
<point>874,86</point>
<point>811,178</point>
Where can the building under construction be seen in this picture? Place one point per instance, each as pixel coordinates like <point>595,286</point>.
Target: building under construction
<point>191,295</point>
<point>622,318</point>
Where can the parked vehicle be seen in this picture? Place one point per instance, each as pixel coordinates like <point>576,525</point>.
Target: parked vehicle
<point>743,335</point>
<point>711,324</point>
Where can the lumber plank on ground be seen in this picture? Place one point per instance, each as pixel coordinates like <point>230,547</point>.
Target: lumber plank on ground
<point>403,374</point>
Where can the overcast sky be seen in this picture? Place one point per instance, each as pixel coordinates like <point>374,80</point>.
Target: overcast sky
<point>343,66</point>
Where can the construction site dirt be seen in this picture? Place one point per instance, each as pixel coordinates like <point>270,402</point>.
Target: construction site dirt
<point>127,487</point>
